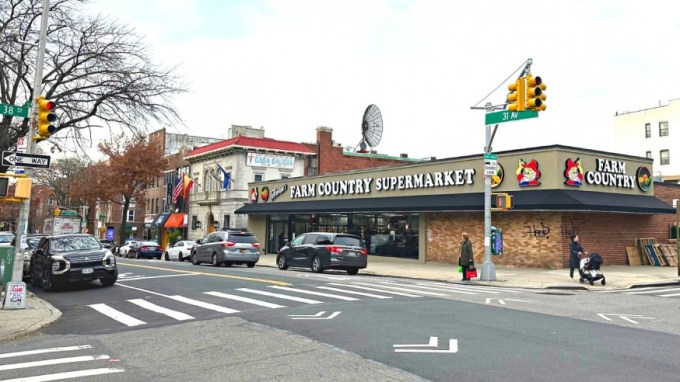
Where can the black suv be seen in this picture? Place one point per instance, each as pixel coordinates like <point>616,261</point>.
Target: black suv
<point>323,250</point>
<point>227,246</point>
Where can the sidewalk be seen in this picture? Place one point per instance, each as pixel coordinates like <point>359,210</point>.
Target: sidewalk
<point>39,313</point>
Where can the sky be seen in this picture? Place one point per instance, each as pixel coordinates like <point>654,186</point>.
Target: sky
<point>291,66</point>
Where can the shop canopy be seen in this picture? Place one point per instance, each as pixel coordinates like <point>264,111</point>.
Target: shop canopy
<point>526,200</point>
<point>159,221</point>
<point>176,221</point>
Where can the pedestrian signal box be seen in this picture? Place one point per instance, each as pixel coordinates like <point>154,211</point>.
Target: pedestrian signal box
<point>4,185</point>
<point>504,201</point>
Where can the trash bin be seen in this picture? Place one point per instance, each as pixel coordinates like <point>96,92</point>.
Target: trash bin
<point>6,264</point>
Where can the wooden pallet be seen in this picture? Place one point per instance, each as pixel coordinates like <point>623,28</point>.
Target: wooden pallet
<point>641,244</point>
<point>669,254</point>
<point>634,257</point>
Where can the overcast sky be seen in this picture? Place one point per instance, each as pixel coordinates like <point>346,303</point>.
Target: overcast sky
<point>293,65</point>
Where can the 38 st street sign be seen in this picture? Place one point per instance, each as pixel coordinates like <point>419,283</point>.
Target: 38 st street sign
<point>14,110</point>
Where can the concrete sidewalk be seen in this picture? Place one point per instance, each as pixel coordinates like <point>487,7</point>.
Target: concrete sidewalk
<point>39,313</point>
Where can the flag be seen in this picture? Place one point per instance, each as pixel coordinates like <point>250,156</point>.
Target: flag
<point>227,177</point>
<point>188,182</point>
<point>177,190</point>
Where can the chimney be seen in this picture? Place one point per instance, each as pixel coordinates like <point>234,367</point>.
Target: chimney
<point>324,136</point>
<point>403,155</point>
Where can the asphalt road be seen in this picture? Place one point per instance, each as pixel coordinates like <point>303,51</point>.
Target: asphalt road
<point>176,321</point>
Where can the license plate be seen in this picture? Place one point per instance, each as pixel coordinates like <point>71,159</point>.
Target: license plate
<point>352,253</point>
<point>242,251</point>
<point>87,271</point>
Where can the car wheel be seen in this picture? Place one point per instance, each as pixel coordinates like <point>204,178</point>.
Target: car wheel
<point>214,261</point>
<point>194,259</point>
<point>48,284</point>
<point>603,282</point>
<point>316,265</point>
<point>251,264</point>
<point>136,255</point>
<point>180,257</point>
<point>353,271</point>
<point>108,281</point>
<point>281,262</point>
<point>35,279</point>
<point>167,257</point>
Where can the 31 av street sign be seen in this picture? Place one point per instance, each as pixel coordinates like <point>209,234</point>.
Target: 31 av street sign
<point>12,158</point>
<point>508,116</point>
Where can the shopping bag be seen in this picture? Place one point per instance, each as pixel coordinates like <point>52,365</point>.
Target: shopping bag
<point>471,272</point>
<point>460,269</point>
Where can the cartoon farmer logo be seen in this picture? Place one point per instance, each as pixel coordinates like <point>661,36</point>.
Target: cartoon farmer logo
<point>253,195</point>
<point>573,172</point>
<point>528,174</point>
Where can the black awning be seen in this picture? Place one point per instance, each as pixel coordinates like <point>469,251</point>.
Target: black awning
<point>529,200</point>
<point>159,221</point>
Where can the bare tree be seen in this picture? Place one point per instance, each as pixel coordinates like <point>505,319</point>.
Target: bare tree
<point>63,177</point>
<point>99,73</point>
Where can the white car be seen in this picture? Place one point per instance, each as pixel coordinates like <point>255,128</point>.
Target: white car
<point>180,251</point>
<point>125,248</point>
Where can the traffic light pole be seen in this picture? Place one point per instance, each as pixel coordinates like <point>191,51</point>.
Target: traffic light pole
<point>488,268</point>
<point>22,226</point>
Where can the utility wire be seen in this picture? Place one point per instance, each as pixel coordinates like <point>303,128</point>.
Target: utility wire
<point>504,81</point>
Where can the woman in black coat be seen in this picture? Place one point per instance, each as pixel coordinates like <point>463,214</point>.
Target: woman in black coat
<point>466,258</point>
<point>575,252</point>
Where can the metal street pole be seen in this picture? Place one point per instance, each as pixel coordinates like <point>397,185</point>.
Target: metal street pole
<point>488,268</point>
<point>22,226</point>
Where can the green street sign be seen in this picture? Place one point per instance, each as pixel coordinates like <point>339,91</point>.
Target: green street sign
<point>14,110</point>
<point>489,156</point>
<point>68,213</point>
<point>508,116</point>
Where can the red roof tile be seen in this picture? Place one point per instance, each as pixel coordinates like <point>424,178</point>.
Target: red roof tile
<point>255,143</point>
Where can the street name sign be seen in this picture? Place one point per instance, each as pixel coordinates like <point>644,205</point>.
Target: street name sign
<point>12,158</point>
<point>14,110</point>
<point>508,116</point>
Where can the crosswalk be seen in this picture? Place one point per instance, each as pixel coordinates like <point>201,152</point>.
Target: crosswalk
<point>660,291</point>
<point>39,364</point>
<point>139,312</point>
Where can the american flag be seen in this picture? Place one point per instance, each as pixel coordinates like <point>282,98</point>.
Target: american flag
<point>178,189</point>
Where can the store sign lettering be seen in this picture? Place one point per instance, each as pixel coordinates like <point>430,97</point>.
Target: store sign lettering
<point>279,191</point>
<point>367,185</point>
<point>266,160</point>
<point>610,173</point>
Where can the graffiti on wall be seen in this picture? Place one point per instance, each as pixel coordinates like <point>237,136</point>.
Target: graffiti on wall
<point>568,230</point>
<point>539,232</point>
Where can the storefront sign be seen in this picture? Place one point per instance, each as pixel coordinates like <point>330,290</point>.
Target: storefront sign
<point>279,191</point>
<point>610,173</point>
<point>268,160</point>
<point>367,185</point>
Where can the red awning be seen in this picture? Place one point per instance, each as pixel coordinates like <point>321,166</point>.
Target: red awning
<point>176,221</point>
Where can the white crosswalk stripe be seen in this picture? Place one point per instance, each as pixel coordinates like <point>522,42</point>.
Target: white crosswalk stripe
<point>408,290</point>
<point>245,299</point>
<point>67,375</point>
<point>159,309</point>
<point>282,296</point>
<point>345,298</point>
<point>374,289</point>
<point>653,290</point>
<point>205,305</point>
<point>353,292</point>
<point>437,288</point>
<point>479,288</point>
<point>117,315</point>
<point>658,291</point>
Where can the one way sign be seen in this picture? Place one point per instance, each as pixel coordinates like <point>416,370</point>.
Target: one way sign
<point>12,158</point>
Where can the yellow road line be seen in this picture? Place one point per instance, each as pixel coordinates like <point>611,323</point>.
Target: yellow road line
<point>210,274</point>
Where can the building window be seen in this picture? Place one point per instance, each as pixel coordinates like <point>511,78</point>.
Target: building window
<point>649,154</point>
<point>131,216</point>
<point>259,177</point>
<point>50,201</point>
<point>665,157</point>
<point>226,221</point>
<point>194,222</point>
<point>648,130</point>
<point>663,129</point>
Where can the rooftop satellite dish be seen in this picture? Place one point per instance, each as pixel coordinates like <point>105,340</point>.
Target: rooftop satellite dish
<point>371,128</point>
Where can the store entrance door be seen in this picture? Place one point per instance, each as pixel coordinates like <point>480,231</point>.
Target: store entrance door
<point>278,235</point>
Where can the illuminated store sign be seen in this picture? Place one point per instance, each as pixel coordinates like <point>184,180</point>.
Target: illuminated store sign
<point>610,173</point>
<point>401,182</point>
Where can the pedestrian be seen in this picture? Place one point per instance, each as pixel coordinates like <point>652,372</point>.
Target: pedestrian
<point>466,258</point>
<point>282,239</point>
<point>575,253</point>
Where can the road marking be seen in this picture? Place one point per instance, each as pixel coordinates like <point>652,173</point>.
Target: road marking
<point>209,274</point>
<point>345,298</point>
<point>626,317</point>
<point>502,301</point>
<point>117,315</point>
<point>353,292</point>
<point>318,316</point>
<point>669,295</point>
<point>327,277</point>
<point>283,296</point>
<point>490,289</point>
<point>56,361</point>
<point>401,289</point>
<point>155,277</point>
<point>159,309</point>
<point>376,290</point>
<point>420,348</point>
<point>43,351</point>
<point>652,290</point>
<point>66,375</point>
<point>431,288</point>
<point>246,299</point>
<point>204,305</point>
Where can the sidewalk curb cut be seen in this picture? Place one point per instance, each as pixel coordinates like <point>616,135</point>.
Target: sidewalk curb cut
<point>54,314</point>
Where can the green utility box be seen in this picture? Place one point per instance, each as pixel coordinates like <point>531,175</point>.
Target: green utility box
<point>6,264</point>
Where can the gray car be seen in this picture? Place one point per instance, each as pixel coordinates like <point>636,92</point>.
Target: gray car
<point>228,247</point>
<point>324,250</point>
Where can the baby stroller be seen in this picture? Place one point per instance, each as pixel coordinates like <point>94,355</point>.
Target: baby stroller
<point>589,269</point>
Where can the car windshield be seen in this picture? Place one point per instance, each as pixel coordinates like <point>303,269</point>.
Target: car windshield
<point>347,240</point>
<point>74,243</point>
<point>32,242</point>
<point>242,238</point>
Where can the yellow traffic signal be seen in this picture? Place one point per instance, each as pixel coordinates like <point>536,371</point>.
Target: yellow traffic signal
<point>22,189</point>
<point>57,212</point>
<point>44,118</point>
<point>535,93</point>
<point>517,95</point>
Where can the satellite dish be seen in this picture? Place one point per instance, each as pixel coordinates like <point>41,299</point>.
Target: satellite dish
<point>371,128</point>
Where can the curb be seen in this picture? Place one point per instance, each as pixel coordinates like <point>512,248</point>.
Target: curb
<point>37,324</point>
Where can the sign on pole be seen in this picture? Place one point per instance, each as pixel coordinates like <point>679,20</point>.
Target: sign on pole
<point>12,158</point>
<point>508,116</point>
<point>14,110</point>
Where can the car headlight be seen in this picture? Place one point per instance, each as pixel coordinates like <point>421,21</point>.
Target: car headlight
<point>109,261</point>
<point>60,265</point>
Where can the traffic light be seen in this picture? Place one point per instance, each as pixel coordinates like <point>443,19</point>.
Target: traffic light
<point>44,118</point>
<point>517,95</point>
<point>504,201</point>
<point>535,93</point>
<point>22,188</point>
<point>57,212</point>
<point>4,185</point>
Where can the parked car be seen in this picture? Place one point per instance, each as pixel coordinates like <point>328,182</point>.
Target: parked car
<point>145,249</point>
<point>125,248</point>
<point>6,238</point>
<point>28,245</point>
<point>323,250</point>
<point>228,246</point>
<point>108,244</point>
<point>180,251</point>
<point>60,259</point>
